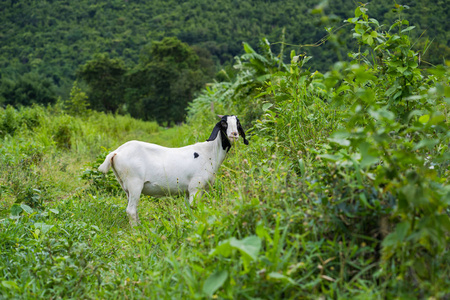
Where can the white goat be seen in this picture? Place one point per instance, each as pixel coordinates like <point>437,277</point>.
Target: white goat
<point>157,171</point>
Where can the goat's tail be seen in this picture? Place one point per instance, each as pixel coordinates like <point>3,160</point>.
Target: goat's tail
<point>104,167</point>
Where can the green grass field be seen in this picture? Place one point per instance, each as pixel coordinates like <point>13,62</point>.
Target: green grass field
<point>256,234</point>
<point>68,237</point>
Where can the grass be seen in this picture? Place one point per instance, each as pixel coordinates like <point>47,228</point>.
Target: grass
<point>254,235</point>
<point>264,230</point>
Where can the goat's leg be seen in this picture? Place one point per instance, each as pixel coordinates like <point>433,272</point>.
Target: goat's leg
<point>191,197</point>
<point>195,189</point>
<point>134,189</point>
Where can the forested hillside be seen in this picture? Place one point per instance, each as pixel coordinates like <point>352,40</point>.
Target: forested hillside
<point>44,43</point>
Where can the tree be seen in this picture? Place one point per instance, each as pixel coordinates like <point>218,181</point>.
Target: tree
<point>105,78</point>
<point>26,90</point>
<point>77,104</point>
<point>165,81</point>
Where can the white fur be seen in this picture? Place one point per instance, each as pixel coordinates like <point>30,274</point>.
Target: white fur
<point>157,171</point>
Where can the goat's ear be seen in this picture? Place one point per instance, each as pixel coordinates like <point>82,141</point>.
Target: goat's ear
<point>220,116</point>
<point>214,133</point>
<point>241,131</point>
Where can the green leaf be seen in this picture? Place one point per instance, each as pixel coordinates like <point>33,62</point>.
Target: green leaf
<point>224,249</point>
<point>248,48</point>
<point>331,157</point>
<point>266,106</point>
<point>362,74</point>
<point>352,20</point>
<point>367,158</point>
<point>393,26</point>
<point>414,112</point>
<point>420,267</point>
<point>249,246</point>
<point>317,10</point>
<point>401,230</point>
<point>292,54</point>
<point>16,210</point>
<point>26,208</point>
<point>43,227</point>
<point>340,137</point>
<point>368,39</point>
<point>363,199</point>
<point>382,114</point>
<point>301,164</point>
<point>55,211</point>
<point>10,285</point>
<point>428,143</point>
<point>439,71</point>
<point>397,237</point>
<point>214,282</point>
<point>340,141</point>
<point>391,90</point>
<point>424,119</point>
<point>437,119</point>
<point>262,232</point>
<point>278,276</point>
<point>397,95</point>
<point>402,69</point>
<point>409,28</point>
<point>342,88</point>
<point>413,64</point>
<point>375,21</point>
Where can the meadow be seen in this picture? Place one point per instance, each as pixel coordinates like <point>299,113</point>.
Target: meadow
<point>342,193</point>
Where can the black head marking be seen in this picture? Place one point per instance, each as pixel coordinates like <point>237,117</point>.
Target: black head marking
<point>196,155</point>
<point>221,127</point>
<point>241,131</point>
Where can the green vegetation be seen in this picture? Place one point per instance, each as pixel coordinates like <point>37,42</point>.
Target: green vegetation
<point>43,44</point>
<point>342,193</point>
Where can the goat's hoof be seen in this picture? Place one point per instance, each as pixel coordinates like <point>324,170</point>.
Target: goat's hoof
<point>134,223</point>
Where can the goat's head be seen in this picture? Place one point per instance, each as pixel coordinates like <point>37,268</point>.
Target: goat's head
<point>231,129</point>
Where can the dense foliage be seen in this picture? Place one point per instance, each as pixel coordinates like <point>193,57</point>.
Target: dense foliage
<point>342,193</point>
<point>370,141</point>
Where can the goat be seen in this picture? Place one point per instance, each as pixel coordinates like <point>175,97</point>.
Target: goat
<point>149,169</point>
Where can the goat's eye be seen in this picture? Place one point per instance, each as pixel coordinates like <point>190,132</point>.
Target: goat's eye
<point>224,124</point>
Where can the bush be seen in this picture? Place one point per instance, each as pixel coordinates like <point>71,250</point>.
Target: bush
<point>393,147</point>
<point>99,181</point>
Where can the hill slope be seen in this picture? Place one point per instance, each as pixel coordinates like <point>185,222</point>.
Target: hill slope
<point>53,38</point>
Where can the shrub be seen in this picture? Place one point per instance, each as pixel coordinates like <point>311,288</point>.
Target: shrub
<point>393,146</point>
<point>98,180</point>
